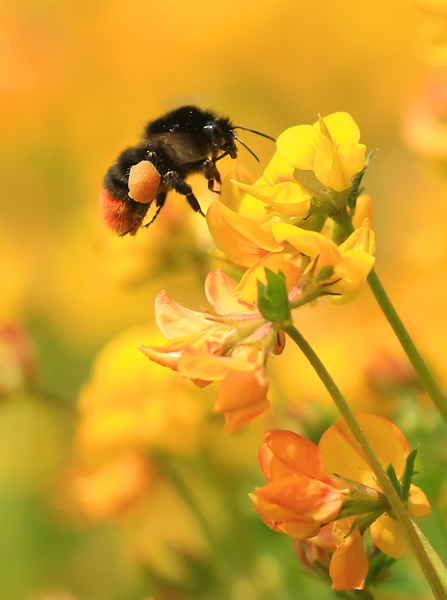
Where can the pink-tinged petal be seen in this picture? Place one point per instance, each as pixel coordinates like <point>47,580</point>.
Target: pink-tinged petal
<point>324,538</point>
<point>418,505</point>
<point>342,455</point>
<point>238,418</point>
<point>219,291</point>
<point>387,536</point>
<point>297,146</point>
<point>349,565</point>
<point>197,364</point>
<point>342,127</point>
<point>175,320</point>
<point>167,357</point>
<point>286,453</point>
<point>241,240</point>
<point>240,389</point>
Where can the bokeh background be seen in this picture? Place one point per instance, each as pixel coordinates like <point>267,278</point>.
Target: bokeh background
<point>116,482</point>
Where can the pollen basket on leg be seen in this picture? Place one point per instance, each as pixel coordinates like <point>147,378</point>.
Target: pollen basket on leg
<point>144,181</point>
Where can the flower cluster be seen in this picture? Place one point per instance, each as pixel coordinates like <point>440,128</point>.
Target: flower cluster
<point>299,217</point>
<point>328,495</point>
<point>316,233</point>
<point>231,347</point>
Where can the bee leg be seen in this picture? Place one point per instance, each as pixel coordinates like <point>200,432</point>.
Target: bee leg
<point>212,174</point>
<point>161,199</point>
<point>176,182</point>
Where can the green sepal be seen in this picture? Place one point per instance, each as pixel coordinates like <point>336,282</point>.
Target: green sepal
<point>357,180</point>
<point>273,301</point>
<point>324,273</point>
<point>365,521</point>
<point>394,480</point>
<point>409,471</point>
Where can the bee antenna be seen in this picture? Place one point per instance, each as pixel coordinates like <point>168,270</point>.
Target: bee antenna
<point>257,133</point>
<point>245,146</point>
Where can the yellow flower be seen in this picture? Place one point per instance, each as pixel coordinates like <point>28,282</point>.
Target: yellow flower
<point>330,148</point>
<point>240,239</point>
<point>348,264</point>
<point>278,189</point>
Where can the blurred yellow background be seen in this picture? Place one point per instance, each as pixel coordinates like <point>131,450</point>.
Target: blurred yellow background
<point>90,500</point>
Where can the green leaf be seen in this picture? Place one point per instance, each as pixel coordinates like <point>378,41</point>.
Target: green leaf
<point>393,478</point>
<point>407,477</point>
<point>273,301</point>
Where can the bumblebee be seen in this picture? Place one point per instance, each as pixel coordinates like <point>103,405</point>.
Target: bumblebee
<point>183,142</point>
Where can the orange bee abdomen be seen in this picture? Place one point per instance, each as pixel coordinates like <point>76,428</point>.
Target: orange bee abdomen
<point>121,216</point>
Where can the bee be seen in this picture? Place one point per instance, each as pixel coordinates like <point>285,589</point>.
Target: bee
<point>183,142</point>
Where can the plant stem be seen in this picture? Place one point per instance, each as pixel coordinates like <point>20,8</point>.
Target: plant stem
<point>424,374</point>
<point>382,478</point>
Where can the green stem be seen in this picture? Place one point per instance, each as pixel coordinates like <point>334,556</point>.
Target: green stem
<point>382,478</point>
<point>427,379</point>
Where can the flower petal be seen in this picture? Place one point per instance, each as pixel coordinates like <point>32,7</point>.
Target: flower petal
<point>342,127</point>
<point>240,389</point>
<point>247,288</point>
<point>286,453</point>
<point>174,320</point>
<point>242,241</point>
<point>418,505</point>
<point>349,565</point>
<point>238,418</point>
<point>219,291</point>
<point>342,454</point>
<point>297,146</point>
<point>197,364</point>
<point>386,536</point>
<point>310,243</point>
<point>167,357</point>
<point>303,495</point>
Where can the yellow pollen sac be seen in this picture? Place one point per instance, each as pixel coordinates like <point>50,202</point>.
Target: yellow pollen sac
<point>144,181</point>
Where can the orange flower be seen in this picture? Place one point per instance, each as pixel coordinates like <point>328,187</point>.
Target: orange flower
<point>303,494</point>
<point>298,498</point>
<point>231,348</point>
